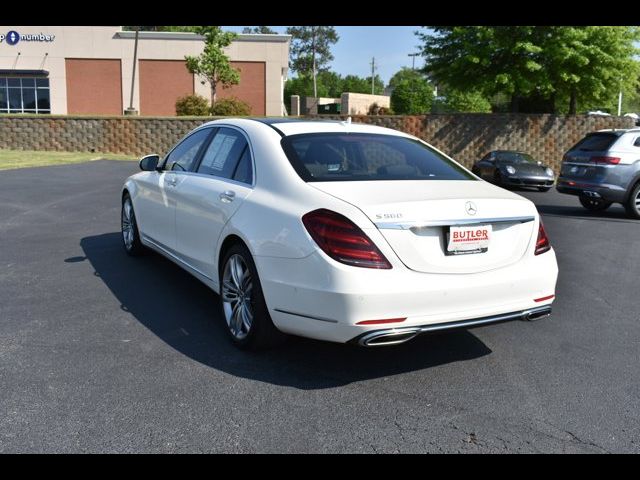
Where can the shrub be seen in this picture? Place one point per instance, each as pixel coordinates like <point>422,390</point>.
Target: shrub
<point>412,97</point>
<point>375,109</point>
<point>195,105</point>
<point>230,107</point>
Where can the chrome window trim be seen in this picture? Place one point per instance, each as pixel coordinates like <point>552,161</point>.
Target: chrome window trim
<point>446,223</point>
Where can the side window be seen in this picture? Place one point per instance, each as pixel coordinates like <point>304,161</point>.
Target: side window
<point>637,142</point>
<point>244,170</point>
<point>182,157</point>
<point>223,153</point>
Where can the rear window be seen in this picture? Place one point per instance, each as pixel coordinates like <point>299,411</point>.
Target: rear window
<point>327,157</point>
<point>596,142</point>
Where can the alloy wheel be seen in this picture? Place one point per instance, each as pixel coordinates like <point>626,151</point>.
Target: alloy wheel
<point>128,224</point>
<point>237,290</point>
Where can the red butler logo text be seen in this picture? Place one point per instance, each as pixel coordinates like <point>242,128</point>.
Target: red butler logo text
<point>471,235</point>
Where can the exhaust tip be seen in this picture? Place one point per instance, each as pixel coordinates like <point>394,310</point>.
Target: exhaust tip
<point>538,314</point>
<point>380,339</point>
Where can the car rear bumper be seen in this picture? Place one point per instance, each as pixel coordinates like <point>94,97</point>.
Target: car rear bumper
<point>395,336</point>
<point>607,192</point>
<point>318,298</point>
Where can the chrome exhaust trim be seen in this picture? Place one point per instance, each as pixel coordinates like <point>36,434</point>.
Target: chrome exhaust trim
<point>396,336</point>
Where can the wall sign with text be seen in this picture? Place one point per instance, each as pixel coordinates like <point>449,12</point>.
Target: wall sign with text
<point>12,37</point>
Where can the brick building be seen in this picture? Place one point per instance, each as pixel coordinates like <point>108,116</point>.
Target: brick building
<point>88,70</point>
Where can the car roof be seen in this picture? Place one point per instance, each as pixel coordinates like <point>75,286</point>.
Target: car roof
<point>508,151</point>
<point>293,126</point>
<point>616,131</point>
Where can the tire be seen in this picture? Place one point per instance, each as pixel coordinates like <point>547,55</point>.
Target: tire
<point>129,227</point>
<point>544,189</point>
<point>632,205</point>
<point>250,327</point>
<point>594,205</point>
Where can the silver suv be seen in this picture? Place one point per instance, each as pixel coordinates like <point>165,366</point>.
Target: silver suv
<point>604,168</point>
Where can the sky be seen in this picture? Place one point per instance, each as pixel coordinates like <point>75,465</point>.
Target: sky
<point>352,54</point>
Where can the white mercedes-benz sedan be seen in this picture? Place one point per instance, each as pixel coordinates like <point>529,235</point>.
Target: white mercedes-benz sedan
<point>338,231</point>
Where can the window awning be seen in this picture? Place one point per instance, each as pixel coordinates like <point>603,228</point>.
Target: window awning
<point>16,72</point>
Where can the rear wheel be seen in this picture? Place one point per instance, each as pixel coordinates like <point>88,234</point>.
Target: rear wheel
<point>243,305</point>
<point>130,235</point>
<point>594,204</point>
<point>632,206</point>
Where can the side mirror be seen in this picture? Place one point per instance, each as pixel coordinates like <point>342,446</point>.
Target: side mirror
<point>149,163</point>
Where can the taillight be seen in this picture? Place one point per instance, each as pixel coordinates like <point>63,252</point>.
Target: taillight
<point>606,160</point>
<point>343,240</point>
<point>542,243</point>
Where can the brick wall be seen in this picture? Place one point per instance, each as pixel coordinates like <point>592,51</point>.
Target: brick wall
<point>124,135</point>
<point>466,137</point>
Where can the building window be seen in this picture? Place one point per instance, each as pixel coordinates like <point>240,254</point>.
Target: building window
<point>24,95</point>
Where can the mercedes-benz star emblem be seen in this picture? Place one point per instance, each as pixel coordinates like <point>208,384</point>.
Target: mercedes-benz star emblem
<point>471,208</point>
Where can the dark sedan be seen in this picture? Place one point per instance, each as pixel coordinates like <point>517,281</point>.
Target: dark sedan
<point>509,168</point>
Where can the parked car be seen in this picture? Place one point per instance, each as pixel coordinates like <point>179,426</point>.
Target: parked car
<point>339,232</point>
<point>509,168</point>
<point>604,168</point>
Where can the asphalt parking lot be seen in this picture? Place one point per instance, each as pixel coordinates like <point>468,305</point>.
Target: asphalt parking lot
<point>100,352</point>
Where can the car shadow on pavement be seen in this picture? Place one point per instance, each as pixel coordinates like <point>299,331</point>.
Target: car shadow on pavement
<point>184,313</point>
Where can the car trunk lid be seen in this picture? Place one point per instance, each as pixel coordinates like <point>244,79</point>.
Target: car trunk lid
<point>415,218</point>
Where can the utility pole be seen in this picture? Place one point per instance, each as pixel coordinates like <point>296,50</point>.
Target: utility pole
<point>620,103</point>
<point>131,110</point>
<point>373,72</point>
<point>413,60</point>
<point>313,53</point>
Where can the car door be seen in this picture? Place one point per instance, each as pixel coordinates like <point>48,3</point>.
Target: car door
<point>155,203</point>
<point>209,197</point>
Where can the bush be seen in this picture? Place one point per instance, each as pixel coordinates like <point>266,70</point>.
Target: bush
<point>375,109</point>
<point>192,105</point>
<point>230,107</point>
<point>412,97</point>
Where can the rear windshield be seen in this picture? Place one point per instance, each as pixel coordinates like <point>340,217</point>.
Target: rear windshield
<point>596,142</point>
<point>327,157</point>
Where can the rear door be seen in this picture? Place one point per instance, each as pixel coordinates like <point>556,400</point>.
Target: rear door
<point>208,198</point>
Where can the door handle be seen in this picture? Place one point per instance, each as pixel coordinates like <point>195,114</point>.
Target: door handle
<point>227,196</point>
<point>172,182</point>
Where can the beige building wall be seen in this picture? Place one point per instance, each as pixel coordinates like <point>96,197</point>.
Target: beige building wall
<point>359,103</point>
<point>109,42</point>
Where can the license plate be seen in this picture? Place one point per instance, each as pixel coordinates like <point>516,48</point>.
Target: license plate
<point>466,240</point>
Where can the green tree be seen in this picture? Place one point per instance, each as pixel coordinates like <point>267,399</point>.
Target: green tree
<point>412,96</point>
<point>537,67</point>
<point>355,84</point>
<point>311,50</point>
<point>404,73</point>
<point>212,64</point>
<point>258,30</point>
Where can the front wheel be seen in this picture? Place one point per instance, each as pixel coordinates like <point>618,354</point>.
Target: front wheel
<point>594,204</point>
<point>632,206</point>
<point>243,305</point>
<point>130,234</point>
